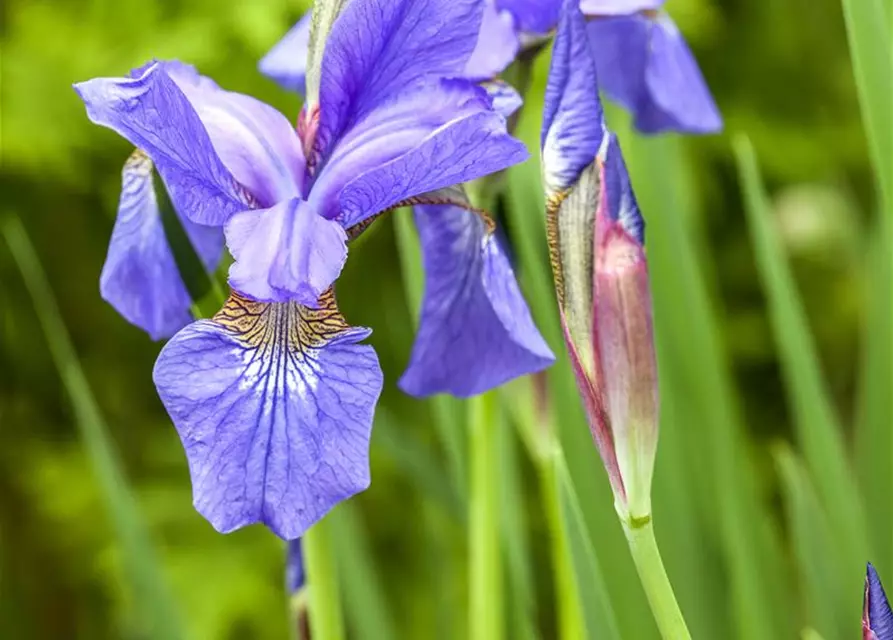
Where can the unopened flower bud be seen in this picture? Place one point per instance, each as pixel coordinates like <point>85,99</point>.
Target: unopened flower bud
<point>877,618</point>
<point>596,245</point>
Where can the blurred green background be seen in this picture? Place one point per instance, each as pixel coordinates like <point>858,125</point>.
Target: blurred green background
<point>748,524</point>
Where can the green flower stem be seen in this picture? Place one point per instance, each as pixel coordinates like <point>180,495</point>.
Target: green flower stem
<point>643,546</point>
<point>322,583</point>
<point>485,573</point>
<point>571,622</point>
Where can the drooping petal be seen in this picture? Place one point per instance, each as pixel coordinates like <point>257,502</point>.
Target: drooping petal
<point>274,405</point>
<point>286,62</point>
<point>618,7</point>
<point>153,113</point>
<point>573,120</point>
<point>497,44</point>
<point>294,567</point>
<point>441,133</point>
<point>253,140</point>
<point>476,331</point>
<point>877,617</point>
<point>378,48</point>
<point>532,16</point>
<point>140,278</point>
<point>645,65</point>
<point>286,252</point>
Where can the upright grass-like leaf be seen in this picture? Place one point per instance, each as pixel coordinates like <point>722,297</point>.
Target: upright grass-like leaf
<point>404,446</point>
<point>369,615</point>
<point>870,39</point>
<point>870,34</point>
<point>521,605</point>
<point>324,591</point>
<point>703,393</point>
<point>485,611</point>
<point>584,609</point>
<point>156,612</point>
<point>813,547</point>
<point>818,430</point>
<point>445,410</point>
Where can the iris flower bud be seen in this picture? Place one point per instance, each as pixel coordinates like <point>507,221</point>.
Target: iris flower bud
<point>877,617</point>
<point>596,242</point>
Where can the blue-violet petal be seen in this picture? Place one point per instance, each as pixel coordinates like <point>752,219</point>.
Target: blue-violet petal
<point>286,62</point>
<point>573,120</point>
<point>475,331</point>
<point>140,278</point>
<point>152,112</point>
<point>645,65</point>
<point>274,406</point>
<point>377,48</point>
<point>286,252</point>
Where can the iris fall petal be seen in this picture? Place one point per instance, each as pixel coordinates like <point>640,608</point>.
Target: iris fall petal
<point>476,331</point>
<point>645,65</point>
<point>140,278</point>
<point>273,404</point>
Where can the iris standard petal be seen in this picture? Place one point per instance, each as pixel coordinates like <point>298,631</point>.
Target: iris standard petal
<point>254,141</point>
<point>645,65</point>
<point>618,7</point>
<point>433,135</point>
<point>377,48</point>
<point>877,616</point>
<point>274,405</point>
<point>573,121</point>
<point>286,62</point>
<point>152,112</point>
<point>532,16</point>
<point>464,150</point>
<point>286,252</point>
<point>476,331</point>
<point>497,44</point>
<point>140,278</point>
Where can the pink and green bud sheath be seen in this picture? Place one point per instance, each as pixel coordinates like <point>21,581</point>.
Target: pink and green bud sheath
<point>596,244</point>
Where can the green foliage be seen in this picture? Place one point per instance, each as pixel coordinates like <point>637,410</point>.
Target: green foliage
<point>774,322</point>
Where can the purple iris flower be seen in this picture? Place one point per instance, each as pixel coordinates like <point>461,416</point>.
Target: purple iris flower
<point>642,60</point>
<point>274,396</point>
<point>877,617</point>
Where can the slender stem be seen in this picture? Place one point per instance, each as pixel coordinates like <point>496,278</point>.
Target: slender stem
<point>485,572</point>
<point>643,546</point>
<point>571,622</point>
<point>322,583</point>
